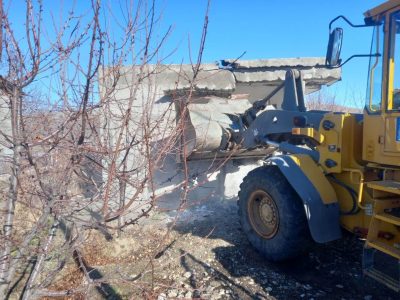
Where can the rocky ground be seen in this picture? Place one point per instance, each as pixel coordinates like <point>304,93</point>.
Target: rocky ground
<point>207,256</point>
<point>221,264</point>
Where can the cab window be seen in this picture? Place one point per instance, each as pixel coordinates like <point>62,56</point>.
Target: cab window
<point>374,87</point>
<point>394,63</point>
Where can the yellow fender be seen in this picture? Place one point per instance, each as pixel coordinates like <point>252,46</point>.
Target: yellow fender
<point>318,196</point>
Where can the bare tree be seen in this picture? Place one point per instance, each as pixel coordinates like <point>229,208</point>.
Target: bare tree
<point>323,100</point>
<point>77,159</point>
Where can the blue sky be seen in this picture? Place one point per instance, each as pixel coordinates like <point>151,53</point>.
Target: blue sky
<point>272,28</point>
<point>262,28</point>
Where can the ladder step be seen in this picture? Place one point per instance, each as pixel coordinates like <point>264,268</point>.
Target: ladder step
<point>388,218</point>
<point>384,248</point>
<point>383,278</point>
<point>389,186</point>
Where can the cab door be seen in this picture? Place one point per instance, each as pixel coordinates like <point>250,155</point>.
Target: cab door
<point>374,113</point>
<point>381,130</point>
<point>392,111</point>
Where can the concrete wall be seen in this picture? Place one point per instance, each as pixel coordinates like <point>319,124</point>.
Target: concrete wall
<point>5,127</point>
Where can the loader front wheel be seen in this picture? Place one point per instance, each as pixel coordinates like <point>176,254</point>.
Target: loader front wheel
<point>272,215</point>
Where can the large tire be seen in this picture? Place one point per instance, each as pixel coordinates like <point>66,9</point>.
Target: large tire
<point>272,215</point>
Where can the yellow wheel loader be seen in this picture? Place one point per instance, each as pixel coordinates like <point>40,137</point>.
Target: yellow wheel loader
<point>327,170</point>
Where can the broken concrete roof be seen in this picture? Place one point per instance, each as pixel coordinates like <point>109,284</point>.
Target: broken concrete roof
<point>174,79</point>
<point>210,80</point>
<point>312,68</point>
<point>275,63</point>
<point>258,78</point>
<point>255,78</point>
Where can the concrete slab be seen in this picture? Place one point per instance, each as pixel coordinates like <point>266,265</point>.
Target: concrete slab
<point>176,79</point>
<point>257,78</point>
<point>275,63</point>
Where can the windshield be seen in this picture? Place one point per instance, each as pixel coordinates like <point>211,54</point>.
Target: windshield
<point>394,63</point>
<point>374,86</point>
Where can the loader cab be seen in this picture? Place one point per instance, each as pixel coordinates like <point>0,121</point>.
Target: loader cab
<point>381,122</point>
<point>381,130</point>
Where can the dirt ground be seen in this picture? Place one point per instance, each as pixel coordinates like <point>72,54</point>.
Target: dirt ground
<point>207,256</point>
<point>331,271</point>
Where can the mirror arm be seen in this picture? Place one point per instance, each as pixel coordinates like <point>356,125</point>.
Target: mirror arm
<point>353,56</point>
<point>348,22</point>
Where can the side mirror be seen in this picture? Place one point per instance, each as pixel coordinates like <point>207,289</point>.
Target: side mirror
<point>334,47</point>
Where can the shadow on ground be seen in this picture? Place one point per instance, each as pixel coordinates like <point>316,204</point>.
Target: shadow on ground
<point>329,271</point>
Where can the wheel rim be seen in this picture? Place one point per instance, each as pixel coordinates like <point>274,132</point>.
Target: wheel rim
<point>263,214</point>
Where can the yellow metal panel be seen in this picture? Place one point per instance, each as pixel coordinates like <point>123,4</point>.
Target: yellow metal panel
<point>317,177</point>
<point>379,139</point>
<point>342,143</point>
<point>382,8</point>
<point>373,129</point>
<point>331,147</point>
<point>391,84</point>
<point>351,142</point>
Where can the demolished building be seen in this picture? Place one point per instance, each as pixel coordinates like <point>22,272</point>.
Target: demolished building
<point>209,100</point>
